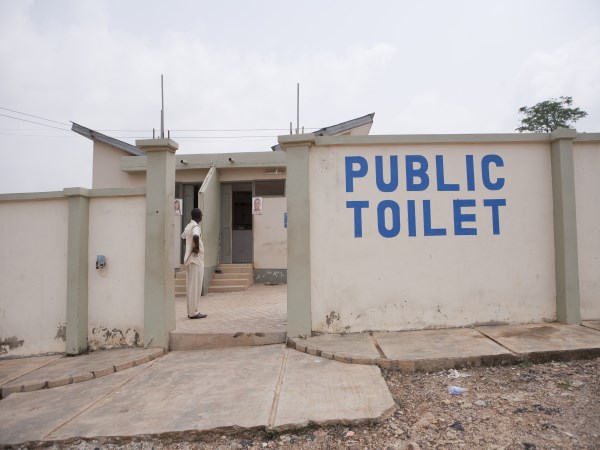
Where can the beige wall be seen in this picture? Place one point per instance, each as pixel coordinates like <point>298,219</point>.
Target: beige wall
<point>407,282</point>
<point>586,158</point>
<point>116,292</point>
<point>107,171</point>
<point>233,175</point>
<point>270,236</point>
<point>33,281</point>
<point>190,176</point>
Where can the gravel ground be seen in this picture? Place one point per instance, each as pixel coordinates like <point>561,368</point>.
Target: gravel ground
<point>546,406</point>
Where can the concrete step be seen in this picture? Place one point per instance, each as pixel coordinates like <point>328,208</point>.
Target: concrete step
<point>225,276</point>
<point>230,282</point>
<point>180,275</point>
<point>236,267</point>
<point>217,289</point>
<point>186,341</point>
<point>232,278</point>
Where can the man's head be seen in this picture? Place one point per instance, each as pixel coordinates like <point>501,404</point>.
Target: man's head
<point>196,214</point>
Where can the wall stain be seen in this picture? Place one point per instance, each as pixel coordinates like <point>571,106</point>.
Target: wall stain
<point>104,338</point>
<point>61,332</point>
<point>331,317</point>
<point>10,343</point>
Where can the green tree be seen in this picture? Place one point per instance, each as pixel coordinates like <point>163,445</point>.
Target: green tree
<point>549,115</point>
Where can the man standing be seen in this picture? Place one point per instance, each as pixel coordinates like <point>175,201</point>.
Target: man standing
<point>194,263</point>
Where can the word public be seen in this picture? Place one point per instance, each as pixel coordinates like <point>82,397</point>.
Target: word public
<point>419,176</point>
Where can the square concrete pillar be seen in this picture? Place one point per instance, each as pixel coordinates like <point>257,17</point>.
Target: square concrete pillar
<point>299,319</point>
<point>77,271</point>
<point>565,226</point>
<point>159,283</point>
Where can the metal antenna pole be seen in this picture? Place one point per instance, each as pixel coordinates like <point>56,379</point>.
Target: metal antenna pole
<point>162,110</point>
<point>297,108</point>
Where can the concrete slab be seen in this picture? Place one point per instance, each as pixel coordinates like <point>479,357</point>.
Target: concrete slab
<point>355,345</point>
<point>185,391</point>
<point>11,369</point>
<point>186,341</point>
<point>61,371</point>
<point>440,349</point>
<point>545,338</point>
<point>32,416</point>
<point>261,308</point>
<point>257,316</point>
<point>250,387</point>
<point>325,391</point>
<point>594,324</point>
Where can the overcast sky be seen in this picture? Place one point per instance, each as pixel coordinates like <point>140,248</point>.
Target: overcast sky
<point>420,66</point>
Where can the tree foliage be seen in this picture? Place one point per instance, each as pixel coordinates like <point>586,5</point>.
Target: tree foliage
<point>549,115</point>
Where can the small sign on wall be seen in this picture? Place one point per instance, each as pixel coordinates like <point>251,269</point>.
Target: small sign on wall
<point>284,220</point>
<point>257,205</point>
<point>178,207</point>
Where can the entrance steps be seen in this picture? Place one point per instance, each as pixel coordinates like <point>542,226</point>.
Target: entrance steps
<point>232,278</point>
<point>180,283</point>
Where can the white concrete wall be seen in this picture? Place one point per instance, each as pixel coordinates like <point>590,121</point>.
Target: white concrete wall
<point>33,276</point>
<point>195,176</point>
<point>116,293</point>
<point>107,171</point>
<point>406,282</point>
<point>270,235</point>
<point>234,174</point>
<point>587,190</point>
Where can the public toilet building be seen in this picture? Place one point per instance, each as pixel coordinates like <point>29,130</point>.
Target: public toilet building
<point>386,233</point>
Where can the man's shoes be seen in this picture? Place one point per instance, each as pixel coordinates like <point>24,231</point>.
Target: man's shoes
<point>197,316</point>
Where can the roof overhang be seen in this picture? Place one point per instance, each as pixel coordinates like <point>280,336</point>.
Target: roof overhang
<point>95,136</point>
<point>361,126</point>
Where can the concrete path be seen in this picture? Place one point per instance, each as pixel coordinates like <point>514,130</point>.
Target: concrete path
<point>126,392</point>
<point>428,350</point>
<point>41,372</point>
<point>253,387</point>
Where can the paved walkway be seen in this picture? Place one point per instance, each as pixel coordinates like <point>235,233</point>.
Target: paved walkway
<point>130,392</point>
<point>428,350</point>
<point>252,387</point>
<point>257,316</point>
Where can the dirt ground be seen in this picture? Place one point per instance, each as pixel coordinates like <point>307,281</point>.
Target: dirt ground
<point>546,406</point>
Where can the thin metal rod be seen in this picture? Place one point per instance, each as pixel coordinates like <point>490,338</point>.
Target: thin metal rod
<point>162,110</point>
<point>297,108</point>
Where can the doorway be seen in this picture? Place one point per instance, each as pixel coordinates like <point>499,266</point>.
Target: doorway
<point>236,223</point>
<point>189,194</point>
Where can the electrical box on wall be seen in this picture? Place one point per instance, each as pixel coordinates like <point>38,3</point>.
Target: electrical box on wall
<point>100,261</point>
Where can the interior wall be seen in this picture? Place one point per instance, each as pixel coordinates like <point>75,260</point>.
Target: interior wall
<point>270,235</point>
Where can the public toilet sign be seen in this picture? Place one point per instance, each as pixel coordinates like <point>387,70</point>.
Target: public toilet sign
<point>419,175</point>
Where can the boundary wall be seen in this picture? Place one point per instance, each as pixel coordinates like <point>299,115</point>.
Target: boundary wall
<point>413,232</point>
<point>52,297</point>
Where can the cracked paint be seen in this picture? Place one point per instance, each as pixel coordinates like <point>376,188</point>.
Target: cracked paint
<point>331,317</point>
<point>10,343</point>
<point>61,332</point>
<point>105,338</point>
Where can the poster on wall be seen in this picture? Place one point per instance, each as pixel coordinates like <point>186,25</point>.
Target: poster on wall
<point>178,206</point>
<point>257,203</point>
